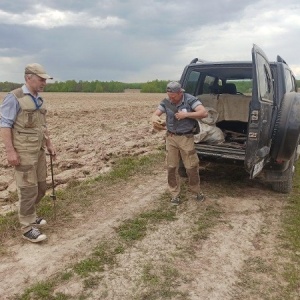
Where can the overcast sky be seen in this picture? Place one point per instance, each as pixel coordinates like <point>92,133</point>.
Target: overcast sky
<point>140,41</point>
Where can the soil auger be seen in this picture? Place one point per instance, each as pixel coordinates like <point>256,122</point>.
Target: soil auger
<point>53,195</point>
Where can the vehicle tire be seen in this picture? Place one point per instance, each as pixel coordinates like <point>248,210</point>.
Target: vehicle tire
<point>287,128</point>
<point>286,185</point>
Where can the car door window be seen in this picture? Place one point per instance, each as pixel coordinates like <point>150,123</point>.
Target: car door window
<point>265,82</point>
<point>192,82</point>
<point>289,83</point>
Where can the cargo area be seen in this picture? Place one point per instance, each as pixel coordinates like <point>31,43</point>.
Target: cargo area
<point>224,131</point>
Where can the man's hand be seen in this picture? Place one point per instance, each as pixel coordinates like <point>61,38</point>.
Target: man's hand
<point>51,151</point>
<point>13,158</point>
<point>158,123</point>
<point>158,126</point>
<point>181,115</point>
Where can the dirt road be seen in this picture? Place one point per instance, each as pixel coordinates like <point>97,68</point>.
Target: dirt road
<point>90,132</point>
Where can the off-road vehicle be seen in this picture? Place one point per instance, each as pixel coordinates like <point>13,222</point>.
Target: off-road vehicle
<point>258,112</point>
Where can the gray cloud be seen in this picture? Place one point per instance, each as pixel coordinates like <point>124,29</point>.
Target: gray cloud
<point>132,41</point>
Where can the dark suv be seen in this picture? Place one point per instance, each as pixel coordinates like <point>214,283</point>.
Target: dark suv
<point>258,112</point>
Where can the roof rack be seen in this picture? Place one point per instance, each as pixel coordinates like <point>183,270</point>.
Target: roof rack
<point>280,59</point>
<point>197,60</point>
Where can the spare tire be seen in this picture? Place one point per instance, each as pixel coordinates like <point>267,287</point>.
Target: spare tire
<point>287,128</point>
<point>286,184</point>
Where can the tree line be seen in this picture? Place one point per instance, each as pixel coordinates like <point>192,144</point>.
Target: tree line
<point>155,86</point>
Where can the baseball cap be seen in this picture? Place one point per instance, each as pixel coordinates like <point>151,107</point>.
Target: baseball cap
<point>174,87</point>
<point>38,70</point>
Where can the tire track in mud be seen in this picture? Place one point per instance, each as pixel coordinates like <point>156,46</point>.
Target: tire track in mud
<point>218,262</point>
<point>211,272</point>
<point>29,263</point>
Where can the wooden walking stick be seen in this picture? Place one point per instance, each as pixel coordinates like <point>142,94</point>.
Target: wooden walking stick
<point>53,195</point>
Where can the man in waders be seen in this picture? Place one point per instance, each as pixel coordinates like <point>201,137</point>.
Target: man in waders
<point>25,136</point>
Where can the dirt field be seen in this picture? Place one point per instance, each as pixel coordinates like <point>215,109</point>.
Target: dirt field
<point>90,131</point>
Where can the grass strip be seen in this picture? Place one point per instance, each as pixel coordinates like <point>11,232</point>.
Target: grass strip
<point>77,196</point>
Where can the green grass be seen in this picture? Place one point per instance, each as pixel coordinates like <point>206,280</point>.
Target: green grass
<point>161,280</point>
<point>135,229</point>
<point>9,228</point>
<point>291,240</point>
<point>280,273</point>
<point>128,166</point>
<point>103,256</point>
<point>207,219</point>
<point>77,196</point>
<point>291,220</point>
<point>89,265</point>
<point>40,290</point>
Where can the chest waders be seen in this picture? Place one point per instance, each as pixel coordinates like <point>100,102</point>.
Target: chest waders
<point>29,140</point>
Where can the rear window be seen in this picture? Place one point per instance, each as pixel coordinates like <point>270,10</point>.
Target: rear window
<point>204,82</point>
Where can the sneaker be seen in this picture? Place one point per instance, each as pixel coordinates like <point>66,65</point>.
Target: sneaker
<point>34,235</point>
<point>175,201</point>
<point>39,222</point>
<point>200,197</point>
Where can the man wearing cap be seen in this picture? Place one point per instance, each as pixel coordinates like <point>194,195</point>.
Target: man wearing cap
<point>182,110</point>
<point>25,136</point>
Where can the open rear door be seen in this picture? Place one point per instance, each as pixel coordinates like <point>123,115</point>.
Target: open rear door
<point>260,113</point>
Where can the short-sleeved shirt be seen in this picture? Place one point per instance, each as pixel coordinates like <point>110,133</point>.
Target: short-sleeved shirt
<point>10,108</point>
<point>188,103</point>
